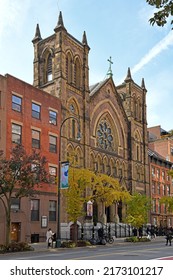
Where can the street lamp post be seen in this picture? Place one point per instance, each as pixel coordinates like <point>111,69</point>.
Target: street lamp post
<point>58,239</point>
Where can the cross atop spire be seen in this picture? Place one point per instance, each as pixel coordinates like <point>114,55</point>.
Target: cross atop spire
<point>109,73</point>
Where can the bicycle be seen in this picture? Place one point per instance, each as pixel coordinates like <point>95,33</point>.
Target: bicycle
<point>109,239</point>
<point>97,241</point>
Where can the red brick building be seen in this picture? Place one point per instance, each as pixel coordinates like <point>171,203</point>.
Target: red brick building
<point>160,185</point>
<point>161,162</point>
<point>161,141</point>
<point>31,117</point>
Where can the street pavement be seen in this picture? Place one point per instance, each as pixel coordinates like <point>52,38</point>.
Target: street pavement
<point>119,250</point>
<point>42,246</point>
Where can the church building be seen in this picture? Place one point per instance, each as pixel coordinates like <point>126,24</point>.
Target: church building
<point>112,118</point>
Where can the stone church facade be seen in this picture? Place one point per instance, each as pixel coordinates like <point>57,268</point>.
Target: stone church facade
<point>112,118</point>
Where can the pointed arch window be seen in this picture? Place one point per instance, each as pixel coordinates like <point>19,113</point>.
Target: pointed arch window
<point>69,68</point>
<point>136,109</point>
<point>73,129</point>
<point>137,153</point>
<point>77,73</point>
<point>49,68</point>
<point>138,147</point>
<point>92,163</point>
<point>99,165</point>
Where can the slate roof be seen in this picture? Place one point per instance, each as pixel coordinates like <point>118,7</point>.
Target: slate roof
<point>94,88</point>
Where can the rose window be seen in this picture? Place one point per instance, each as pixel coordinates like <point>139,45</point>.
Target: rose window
<point>104,136</point>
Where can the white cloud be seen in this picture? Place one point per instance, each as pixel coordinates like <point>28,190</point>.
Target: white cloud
<point>152,53</point>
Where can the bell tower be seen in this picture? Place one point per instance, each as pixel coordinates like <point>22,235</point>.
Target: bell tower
<point>60,61</point>
<point>61,69</point>
<point>134,102</point>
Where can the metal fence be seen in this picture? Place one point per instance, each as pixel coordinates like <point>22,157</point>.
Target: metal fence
<point>90,231</point>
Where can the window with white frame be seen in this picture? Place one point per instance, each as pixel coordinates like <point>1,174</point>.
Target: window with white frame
<point>52,144</point>
<point>154,205</point>
<point>15,203</point>
<point>16,103</point>
<point>36,111</point>
<point>52,210</point>
<point>52,117</point>
<point>16,133</point>
<point>35,139</point>
<point>35,205</point>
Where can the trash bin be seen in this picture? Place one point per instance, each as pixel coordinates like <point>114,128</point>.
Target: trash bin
<point>34,238</point>
<point>58,243</point>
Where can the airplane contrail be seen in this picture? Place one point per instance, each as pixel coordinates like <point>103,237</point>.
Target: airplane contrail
<point>152,53</point>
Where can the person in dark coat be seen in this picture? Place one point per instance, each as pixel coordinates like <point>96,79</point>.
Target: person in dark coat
<point>100,232</point>
<point>140,232</point>
<point>168,237</point>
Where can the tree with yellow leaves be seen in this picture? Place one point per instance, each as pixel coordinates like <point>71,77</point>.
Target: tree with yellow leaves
<point>137,210</point>
<point>85,185</point>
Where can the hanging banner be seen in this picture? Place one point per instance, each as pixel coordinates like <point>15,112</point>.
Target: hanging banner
<point>89,209</point>
<point>64,175</point>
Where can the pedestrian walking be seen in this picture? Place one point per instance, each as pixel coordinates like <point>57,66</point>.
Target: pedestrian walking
<point>153,234</point>
<point>168,237</point>
<point>140,232</point>
<point>49,237</point>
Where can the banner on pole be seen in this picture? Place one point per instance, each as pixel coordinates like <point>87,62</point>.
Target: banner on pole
<point>64,175</point>
<point>89,209</point>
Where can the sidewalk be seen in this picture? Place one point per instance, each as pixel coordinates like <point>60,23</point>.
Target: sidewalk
<point>42,246</point>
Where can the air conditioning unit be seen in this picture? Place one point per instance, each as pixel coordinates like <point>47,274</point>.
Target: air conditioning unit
<point>52,122</point>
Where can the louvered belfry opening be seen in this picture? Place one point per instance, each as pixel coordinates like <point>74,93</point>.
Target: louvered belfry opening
<point>49,68</point>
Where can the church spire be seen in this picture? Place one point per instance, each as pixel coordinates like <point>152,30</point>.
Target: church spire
<point>109,73</point>
<point>37,35</point>
<point>84,39</point>
<point>129,77</point>
<point>60,23</point>
<point>143,84</point>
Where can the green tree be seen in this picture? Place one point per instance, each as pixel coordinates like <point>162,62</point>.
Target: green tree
<point>137,210</point>
<point>85,185</point>
<point>20,176</point>
<point>163,13</point>
<point>168,201</point>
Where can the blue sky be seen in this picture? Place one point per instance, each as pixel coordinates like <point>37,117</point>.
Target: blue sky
<point>116,28</point>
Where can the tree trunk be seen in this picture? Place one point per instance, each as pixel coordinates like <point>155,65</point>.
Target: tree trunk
<point>8,227</point>
<point>75,232</point>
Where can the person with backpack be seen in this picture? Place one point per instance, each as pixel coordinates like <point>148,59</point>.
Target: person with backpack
<point>168,237</point>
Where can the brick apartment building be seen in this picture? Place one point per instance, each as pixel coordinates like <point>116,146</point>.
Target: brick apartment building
<point>31,117</point>
<point>161,141</point>
<point>160,185</point>
<point>160,162</point>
